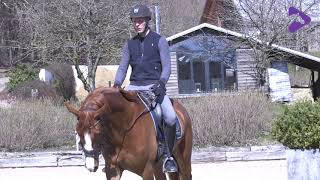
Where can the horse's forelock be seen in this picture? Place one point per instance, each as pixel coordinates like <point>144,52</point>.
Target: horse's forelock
<point>94,101</point>
<point>86,120</point>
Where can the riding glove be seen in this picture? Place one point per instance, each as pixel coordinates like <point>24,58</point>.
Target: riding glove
<point>159,89</point>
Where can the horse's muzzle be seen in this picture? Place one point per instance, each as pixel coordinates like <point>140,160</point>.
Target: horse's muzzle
<point>93,170</point>
<point>91,159</point>
<point>91,164</point>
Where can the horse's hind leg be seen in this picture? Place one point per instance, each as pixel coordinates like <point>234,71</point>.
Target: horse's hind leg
<point>173,176</point>
<point>183,155</point>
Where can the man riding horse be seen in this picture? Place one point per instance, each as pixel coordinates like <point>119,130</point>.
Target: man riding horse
<point>148,55</point>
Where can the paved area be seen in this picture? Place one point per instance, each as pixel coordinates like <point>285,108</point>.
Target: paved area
<point>240,170</point>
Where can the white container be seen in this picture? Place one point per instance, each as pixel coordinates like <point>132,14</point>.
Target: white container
<point>303,165</point>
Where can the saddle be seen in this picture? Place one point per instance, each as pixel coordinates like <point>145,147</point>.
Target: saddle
<point>156,115</point>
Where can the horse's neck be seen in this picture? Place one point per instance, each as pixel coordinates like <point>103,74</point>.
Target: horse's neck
<point>121,121</point>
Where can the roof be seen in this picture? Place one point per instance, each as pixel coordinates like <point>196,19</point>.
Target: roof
<point>301,59</point>
<point>221,13</point>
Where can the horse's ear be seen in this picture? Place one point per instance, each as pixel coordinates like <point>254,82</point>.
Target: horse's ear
<point>129,95</point>
<point>103,110</point>
<point>71,109</point>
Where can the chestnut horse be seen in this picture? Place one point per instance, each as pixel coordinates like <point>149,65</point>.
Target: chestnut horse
<point>116,123</point>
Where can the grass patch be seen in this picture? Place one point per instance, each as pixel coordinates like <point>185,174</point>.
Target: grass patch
<point>220,119</point>
<point>230,119</point>
<point>35,124</point>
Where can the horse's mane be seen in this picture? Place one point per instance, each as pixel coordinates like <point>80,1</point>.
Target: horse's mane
<point>97,98</point>
<point>94,101</point>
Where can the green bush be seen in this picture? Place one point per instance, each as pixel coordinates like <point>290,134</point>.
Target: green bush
<point>21,73</point>
<point>297,126</point>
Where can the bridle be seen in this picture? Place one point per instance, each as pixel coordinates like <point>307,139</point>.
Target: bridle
<point>94,153</point>
<point>94,125</point>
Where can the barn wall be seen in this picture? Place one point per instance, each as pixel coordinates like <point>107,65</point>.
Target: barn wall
<point>172,85</point>
<point>246,74</point>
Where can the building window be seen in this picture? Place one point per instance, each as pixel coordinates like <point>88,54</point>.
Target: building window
<point>200,76</point>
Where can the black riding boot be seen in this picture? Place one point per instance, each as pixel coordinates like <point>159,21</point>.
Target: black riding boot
<point>169,164</point>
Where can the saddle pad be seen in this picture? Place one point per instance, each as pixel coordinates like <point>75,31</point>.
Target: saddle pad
<point>157,120</point>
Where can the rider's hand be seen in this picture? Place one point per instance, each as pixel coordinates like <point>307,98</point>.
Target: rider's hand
<point>116,86</point>
<point>158,88</point>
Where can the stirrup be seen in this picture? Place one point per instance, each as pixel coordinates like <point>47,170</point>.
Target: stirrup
<point>172,169</point>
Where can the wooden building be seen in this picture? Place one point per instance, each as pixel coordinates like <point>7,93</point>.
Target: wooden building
<point>208,58</point>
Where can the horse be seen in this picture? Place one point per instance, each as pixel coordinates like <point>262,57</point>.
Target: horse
<point>116,123</point>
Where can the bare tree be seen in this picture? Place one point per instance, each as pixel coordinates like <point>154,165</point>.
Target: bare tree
<point>76,31</point>
<point>178,15</point>
<point>268,21</point>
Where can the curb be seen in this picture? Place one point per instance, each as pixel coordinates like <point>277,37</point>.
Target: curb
<point>203,155</point>
<point>231,154</point>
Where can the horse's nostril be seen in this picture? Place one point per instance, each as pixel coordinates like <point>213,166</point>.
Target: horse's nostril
<point>95,169</point>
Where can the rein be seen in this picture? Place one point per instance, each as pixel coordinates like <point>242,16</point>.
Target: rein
<point>129,128</point>
<point>95,124</point>
<point>146,110</point>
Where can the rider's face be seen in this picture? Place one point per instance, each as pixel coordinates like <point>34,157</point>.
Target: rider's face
<point>139,24</point>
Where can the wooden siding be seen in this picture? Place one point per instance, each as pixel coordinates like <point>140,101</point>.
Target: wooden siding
<point>246,76</point>
<point>172,84</point>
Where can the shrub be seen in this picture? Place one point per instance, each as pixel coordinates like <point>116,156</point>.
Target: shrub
<point>297,126</point>
<point>34,124</point>
<point>21,74</point>
<point>229,119</point>
<point>222,119</point>
<point>23,90</point>
<point>64,81</point>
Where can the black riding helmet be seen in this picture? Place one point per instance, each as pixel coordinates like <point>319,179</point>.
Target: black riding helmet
<point>140,11</point>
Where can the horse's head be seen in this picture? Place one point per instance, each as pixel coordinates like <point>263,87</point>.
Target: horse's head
<point>89,131</point>
<point>98,109</point>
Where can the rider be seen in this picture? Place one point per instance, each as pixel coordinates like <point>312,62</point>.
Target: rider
<point>149,57</point>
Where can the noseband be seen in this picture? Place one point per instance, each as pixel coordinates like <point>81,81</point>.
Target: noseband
<point>92,153</point>
<point>95,152</point>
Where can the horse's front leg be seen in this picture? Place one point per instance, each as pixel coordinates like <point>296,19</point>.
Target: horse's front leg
<point>113,172</point>
<point>148,172</point>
